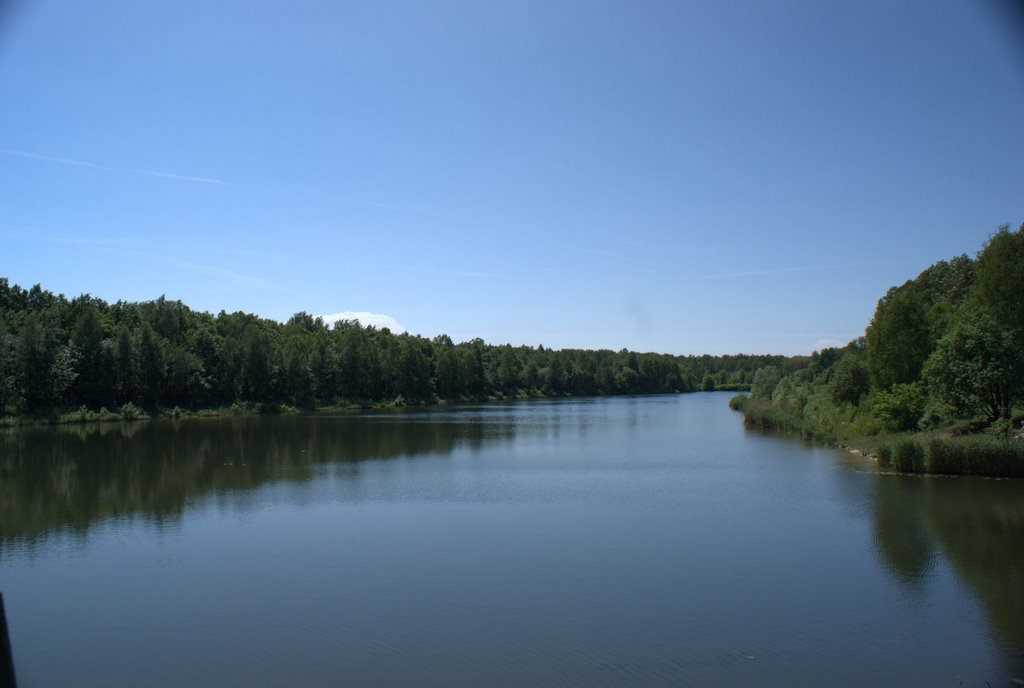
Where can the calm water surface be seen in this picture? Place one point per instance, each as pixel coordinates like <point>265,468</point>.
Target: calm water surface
<point>600,542</point>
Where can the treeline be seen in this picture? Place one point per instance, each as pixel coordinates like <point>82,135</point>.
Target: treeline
<point>58,354</point>
<point>943,356</point>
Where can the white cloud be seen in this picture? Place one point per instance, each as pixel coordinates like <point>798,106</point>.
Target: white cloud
<point>366,318</point>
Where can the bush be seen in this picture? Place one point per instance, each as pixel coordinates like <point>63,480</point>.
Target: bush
<point>976,366</point>
<point>130,411</point>
<point>901,407</point>
<point>765,380</point>
<point>931,418</point>
<point>825,421</point>
<point>791,395</point>
<point>849,381</point>
<point>738,402</point>
<point>1000,427</point>
<point>733,387</point>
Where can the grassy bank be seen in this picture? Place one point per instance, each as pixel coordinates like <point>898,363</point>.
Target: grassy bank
<point>131,412</point>
<point>971,455</point>
<point>127,412</point>
<point>938,452</point>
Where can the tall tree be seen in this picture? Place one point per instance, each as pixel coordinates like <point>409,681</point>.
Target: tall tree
<point>849,380</point>
<point>152,368</point>
<point>34,361</point>
<point>898,338</point>
<point>1000,283</point>
<point>298,378</point>
<point>95,365</point>
<point>257,364</point>
<point>64,372</point>
<point>126,367</point>
<point>977,366</point>
<point>7,358</point>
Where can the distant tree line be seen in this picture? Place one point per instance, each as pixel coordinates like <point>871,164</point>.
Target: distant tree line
<point>946,347</point>
<point>58,353</point>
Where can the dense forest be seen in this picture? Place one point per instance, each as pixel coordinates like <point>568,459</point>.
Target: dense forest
<point>59,354</point>
<point>942,359</point>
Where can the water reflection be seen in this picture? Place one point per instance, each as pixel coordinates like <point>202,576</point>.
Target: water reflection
<point>901,541</point>
<point>68,478</point>
<point>976,526</point>
<point>576,496</point>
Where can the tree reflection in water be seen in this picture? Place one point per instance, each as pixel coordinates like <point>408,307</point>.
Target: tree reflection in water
<point>976,526</point>
<point>68,478</point>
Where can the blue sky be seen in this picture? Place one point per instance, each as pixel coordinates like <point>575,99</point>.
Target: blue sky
<point>684,177</point>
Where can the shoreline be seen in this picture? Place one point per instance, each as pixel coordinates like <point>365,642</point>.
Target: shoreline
<point>129,413</point>
<point>934,452</point>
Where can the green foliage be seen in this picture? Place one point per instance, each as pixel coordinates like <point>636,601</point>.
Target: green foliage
<point>901,407</point>
<point>910,318</point>
<point>976,366</point>
<point>257,363</point>
<point>151,365</point>
<point>93,356</point>
<point>947,344</point>
<point>34,358</point>
<point>850,380</point>
<point>1000,427</point>
<point>897,338</point>
<point>791,395</point>
<point>86,415</point>
<point>1000,282</point>
<point>64,372</point>
<point>765,381</point>
<point>60,354</point>
<point>738,402</point>
<point>130,411</point>
<point>732,387</point>
<point>824,420</point>
<point>766,416</point>
<point>7,368</point>
<point>126,367</point>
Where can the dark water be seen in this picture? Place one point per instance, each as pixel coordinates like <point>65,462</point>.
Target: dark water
<point>606,542</point>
